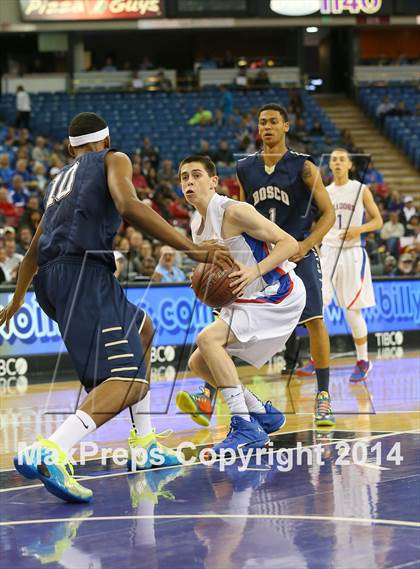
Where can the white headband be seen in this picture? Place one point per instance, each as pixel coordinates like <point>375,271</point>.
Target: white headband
<point>91,137</point>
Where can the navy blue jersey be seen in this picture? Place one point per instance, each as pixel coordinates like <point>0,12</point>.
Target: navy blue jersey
<point>80,214</point>
<point>281,196</point>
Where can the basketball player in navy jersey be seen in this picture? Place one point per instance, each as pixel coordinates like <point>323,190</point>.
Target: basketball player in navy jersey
<point>282,185</point>
<point>72,255</point>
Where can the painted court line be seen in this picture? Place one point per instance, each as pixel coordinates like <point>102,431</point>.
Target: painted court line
<point>217,517</point>
<point>198,463</point>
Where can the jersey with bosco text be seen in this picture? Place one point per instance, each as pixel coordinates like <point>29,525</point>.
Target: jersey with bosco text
<point>279,193</point>
<point>80,215</point>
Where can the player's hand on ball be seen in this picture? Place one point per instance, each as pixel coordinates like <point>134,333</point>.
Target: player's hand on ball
<point>303,250</point>
<point>9,310</point>
<point>242,278</point>
<point>351,233</point>
<point>214,253</point>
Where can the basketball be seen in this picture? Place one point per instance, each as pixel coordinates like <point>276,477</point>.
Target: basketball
<point>211,284</point>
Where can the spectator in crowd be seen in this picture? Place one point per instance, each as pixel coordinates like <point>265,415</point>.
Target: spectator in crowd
<point>180,214</point>
<point>384,108</point>
<point>412,227</point>
<point>166,172</point>
<point>400,110</point>
<point>300,131</point>
<point>262,79</point>
<point>148,267</point>
<point>202,117</point>
<point>408,209</point>
<point>242,80</point>
<point>40,151</point>
<point>149,151</point>
<point>24,239</point>
<point>223,155</point>
<point>163,83</point>
<point>6,172</point>
<point>372,176</point>
<point>391,232</point>
<point>317,129</point>
<point>166,271</point>
<point>4,275</point>
<point>22,170</point>
<point>20,193</point>
<point>13,259</point>
<point>405,265</point>
<point>34,219</point>
<point>390,266</point>
<point>56,163</point>
<point>204,149</point>
<point>23,108</point>
<point>32,206</point>
<point>40,177</point>
<point>109,65</point>
<point>10,140</point>
<point>296,102</point>
<point>139,181</point>
<point>373,248</point>
<point>226,102</point>
<point>7,209</point>
<point>395,203</point>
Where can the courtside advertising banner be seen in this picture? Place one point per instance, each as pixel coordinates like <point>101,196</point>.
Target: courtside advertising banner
<point>178,316</point>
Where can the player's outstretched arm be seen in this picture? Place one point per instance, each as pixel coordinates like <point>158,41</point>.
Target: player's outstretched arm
<point>27,270</point>
<point>119,177</point>
<point>313,181</point>
<point>244,218</point>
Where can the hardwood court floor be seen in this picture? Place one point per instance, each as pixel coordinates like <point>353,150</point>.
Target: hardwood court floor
<point>389,401</point>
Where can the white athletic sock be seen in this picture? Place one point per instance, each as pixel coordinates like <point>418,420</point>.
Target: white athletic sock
<point>252,402</point>
<point>235,399</point>
<point>362,351</point>
<point>141,415</point>
<point>73,430</point>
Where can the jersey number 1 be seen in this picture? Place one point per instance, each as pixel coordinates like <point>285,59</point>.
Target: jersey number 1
<point>62,185</point>
<point>272,214</point>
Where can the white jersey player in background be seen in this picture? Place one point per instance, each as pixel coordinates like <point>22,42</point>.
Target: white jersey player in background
<point>258,324</point>
<point>344,260</point>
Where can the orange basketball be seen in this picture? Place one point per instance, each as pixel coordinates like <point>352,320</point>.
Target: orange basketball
<point>211,284</point>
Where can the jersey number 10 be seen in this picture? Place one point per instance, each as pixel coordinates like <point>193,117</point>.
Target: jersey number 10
<point>62,185</point>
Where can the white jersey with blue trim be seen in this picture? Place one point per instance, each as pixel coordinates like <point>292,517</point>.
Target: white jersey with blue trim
<point>349,212</point>
<point>243,248</point>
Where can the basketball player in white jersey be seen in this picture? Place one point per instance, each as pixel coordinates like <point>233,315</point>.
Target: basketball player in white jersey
<point>271,300</point>
<point>344,260</point>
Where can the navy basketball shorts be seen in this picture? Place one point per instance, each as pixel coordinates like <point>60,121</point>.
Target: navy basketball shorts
<point>99,327</point>
<point>309,270</point>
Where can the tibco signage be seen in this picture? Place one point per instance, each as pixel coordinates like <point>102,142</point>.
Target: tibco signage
<point>79,10</point>
<point>307,7</point>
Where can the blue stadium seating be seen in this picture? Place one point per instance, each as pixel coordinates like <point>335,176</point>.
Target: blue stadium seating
<point>162,116</point>
<point>403,131</point>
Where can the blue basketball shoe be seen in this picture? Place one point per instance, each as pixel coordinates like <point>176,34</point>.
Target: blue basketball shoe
<point>46,461</point>
<point>243,433</point>
<point>147,452</point>
<point>361,371</point>
<point>272,420</point>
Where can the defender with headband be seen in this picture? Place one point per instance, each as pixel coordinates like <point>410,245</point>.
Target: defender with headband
<point>107,337</point>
